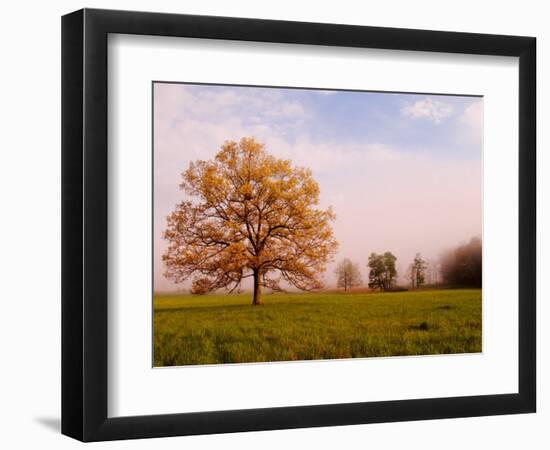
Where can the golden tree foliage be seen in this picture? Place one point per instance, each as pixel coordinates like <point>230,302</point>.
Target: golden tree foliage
<point>253,215</point>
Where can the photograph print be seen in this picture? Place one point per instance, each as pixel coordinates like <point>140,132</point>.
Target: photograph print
<point>299,224</point>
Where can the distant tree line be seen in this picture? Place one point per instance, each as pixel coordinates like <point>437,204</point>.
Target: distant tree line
<point>462,266</point>
<point>458,267</point>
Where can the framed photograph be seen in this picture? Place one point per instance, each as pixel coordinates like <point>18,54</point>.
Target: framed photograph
<point>272,224</point>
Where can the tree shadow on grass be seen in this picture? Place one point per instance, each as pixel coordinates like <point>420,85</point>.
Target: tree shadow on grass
<point>240,306</point>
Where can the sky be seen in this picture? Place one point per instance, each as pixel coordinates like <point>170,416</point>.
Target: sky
<point>402,172</point>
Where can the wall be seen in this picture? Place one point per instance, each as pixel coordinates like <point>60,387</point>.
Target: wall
<point>30,225</point>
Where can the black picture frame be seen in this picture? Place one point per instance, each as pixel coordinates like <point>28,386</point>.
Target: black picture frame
<point>84,224</point>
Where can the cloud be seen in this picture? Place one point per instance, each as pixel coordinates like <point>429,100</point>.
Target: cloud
<point>288,110</point>
<point>472,121</point>
<point>428,108</point>
<point>219,103</point>
<point>327,157</point>
<point>326,93</point>
<point>381,152</point>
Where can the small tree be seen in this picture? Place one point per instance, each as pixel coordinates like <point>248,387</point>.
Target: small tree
<point>418,271</point>
<point>348,274</point>
<point>382,271</point>
<point>411,275</point>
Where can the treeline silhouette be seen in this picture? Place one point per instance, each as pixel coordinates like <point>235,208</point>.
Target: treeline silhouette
<point>462,265</point>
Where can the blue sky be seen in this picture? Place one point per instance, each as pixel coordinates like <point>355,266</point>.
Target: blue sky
<point>355,117</point>
<point>402,171</point>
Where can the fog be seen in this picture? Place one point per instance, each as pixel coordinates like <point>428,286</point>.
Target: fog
<point>388,191</point>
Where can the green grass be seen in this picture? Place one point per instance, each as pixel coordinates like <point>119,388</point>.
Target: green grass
<point>218,329</point>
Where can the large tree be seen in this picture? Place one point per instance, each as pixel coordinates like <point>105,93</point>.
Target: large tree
<point>249,215</point>
<point>382,271</point>
<point>348,274</point>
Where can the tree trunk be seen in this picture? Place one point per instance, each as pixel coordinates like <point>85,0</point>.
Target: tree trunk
<point>257,300</point>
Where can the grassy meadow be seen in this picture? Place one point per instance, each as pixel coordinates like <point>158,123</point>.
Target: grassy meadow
<point>215,329</point>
